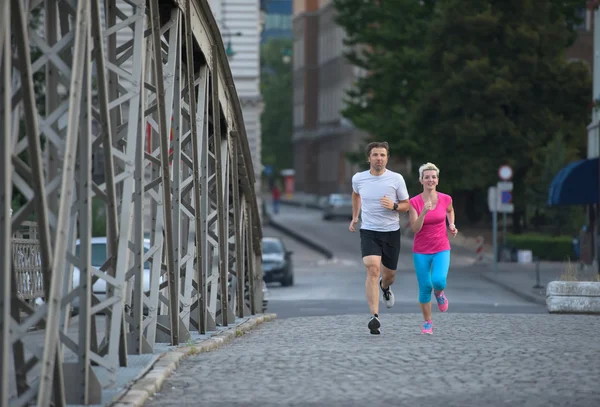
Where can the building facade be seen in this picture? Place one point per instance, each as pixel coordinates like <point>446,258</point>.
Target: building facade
<point>276,19</point>
<point>239,22</point>
<point>322,137</point>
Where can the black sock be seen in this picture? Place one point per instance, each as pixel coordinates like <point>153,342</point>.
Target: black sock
<point>375,315</point>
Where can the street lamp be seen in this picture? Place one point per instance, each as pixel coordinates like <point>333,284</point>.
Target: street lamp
<point>229,48</point>
<point>286,55</point>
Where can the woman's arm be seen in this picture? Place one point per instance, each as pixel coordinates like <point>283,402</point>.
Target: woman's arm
<point>416,221</point>
<point>450,216</point>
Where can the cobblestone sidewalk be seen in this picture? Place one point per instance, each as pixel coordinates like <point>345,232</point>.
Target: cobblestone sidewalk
<point>471,360</point>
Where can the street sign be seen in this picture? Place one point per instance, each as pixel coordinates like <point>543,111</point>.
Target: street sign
<point>500,198</point>
<point>505,186</point>
<point>505,173</point>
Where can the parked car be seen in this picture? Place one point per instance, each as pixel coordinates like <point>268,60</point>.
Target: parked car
<point>338,205</point>
<point>265,292</point>
<point>277,262</point>
<point>98,257</point>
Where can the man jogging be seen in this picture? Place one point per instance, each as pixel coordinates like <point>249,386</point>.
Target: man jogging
<point>382,195</point>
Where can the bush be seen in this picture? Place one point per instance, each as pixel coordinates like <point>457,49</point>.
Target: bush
<point>550,248</point>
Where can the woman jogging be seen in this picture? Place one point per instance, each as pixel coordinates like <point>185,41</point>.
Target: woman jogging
<point>431,248</point>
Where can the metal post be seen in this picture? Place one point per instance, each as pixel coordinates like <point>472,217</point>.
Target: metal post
<point>495,230</point>
<point>250,272</point>
<point>81,371</point>
<point>172,275</point>
<point>196,121</point>
<point>538,283</point>
<point>205,199</point>
<point>219,167</point>
<point>595,152</point>
<point>237,226</point>
<point>5,200</point>
<point>503,229</point>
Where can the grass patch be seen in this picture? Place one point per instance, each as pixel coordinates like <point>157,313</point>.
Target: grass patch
<point>574,272</point>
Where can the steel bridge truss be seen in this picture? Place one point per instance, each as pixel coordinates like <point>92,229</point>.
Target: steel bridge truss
<point>182,224</point>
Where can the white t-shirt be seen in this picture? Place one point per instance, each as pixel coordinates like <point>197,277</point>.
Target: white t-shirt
<point>371,189</point>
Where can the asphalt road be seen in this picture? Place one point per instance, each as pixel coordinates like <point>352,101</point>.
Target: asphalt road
<point>336,287</point>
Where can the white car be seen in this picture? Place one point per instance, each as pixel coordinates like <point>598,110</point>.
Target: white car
<point>98,257</point>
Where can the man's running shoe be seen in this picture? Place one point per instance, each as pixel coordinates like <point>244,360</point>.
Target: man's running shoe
<point>427,328</point>
<point>388,295</point>
<point>442,301</point>
<point>374,325</point>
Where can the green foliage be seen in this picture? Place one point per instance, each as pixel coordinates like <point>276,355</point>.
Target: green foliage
<point>276,90</point>
<point>385,39</point>
<point>98,218</point>
<point>471,85</point>
<point>549,248</point>
<point>547,161</point>
<point>500,90</point>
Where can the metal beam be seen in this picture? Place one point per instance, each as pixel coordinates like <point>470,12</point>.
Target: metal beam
<point>5,200</point>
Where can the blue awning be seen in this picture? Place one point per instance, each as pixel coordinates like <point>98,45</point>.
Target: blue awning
<point>575,184</point>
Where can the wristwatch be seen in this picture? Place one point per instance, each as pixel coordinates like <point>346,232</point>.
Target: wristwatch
<point>395,206</point>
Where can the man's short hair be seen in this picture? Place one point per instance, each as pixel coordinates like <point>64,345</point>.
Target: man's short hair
<point>378,144</point>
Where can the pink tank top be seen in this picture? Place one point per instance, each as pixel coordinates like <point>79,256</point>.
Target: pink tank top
<point>433,236</point>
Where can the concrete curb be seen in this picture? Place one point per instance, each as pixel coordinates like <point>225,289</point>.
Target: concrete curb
<point>527,296</point>
<point>148,385</point>
<point>301,238</point>
<point>573,297</point>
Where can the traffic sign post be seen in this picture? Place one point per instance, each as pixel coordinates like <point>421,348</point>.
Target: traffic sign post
<point>500,200</point>
<point>505,204</point>
<point>493,206</point>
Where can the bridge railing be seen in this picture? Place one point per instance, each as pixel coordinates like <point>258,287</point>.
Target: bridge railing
<point>146,86</point>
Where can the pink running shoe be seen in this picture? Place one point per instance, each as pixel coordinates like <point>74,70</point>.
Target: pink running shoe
<point>442,301</point>
<point>427,328</point>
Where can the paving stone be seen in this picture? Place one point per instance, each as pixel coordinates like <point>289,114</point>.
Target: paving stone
<point>471,360</point>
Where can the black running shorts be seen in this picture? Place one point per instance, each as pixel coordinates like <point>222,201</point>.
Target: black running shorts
<point>384,244</point>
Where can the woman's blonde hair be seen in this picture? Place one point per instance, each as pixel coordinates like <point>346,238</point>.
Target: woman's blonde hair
<point>428,167</point>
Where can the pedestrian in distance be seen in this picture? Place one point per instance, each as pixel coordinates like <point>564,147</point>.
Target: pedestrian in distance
<point>276,194</point>
<point>431,247</point>
<point>382,195</point>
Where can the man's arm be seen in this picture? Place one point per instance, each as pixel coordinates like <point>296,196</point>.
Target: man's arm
<point>403,206</point>
<point>355,205</point>
<point>403,196</point>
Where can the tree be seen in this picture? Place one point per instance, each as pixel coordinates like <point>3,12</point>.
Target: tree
<point>499,90</point>
<point>276,89</point>
<point>385,38</point>
<point>548,161</point>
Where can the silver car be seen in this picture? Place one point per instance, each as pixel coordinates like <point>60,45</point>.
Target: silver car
<point>338,205</point>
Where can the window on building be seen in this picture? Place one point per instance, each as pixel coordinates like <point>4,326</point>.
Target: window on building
<point>278,22</point>
<point>585,17</point>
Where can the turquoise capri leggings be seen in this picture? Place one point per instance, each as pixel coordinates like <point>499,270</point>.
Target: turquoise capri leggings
<point>432,270</point>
